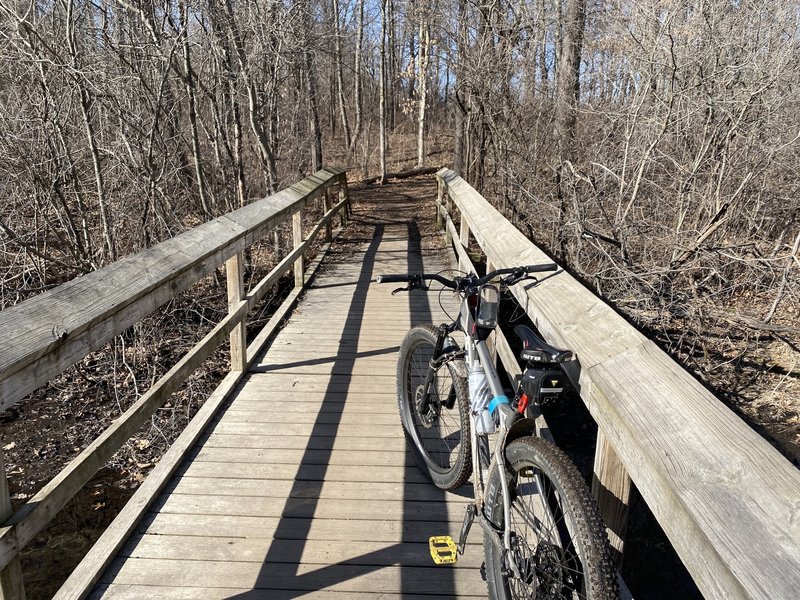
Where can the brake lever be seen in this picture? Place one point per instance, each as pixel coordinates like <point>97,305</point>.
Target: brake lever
<point>513,281</point>
<point>535,280</point>
<point>412,286</point>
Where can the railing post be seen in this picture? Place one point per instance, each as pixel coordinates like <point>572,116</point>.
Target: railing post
<point>449,206</point>
<point>344,194</point>
<point>297,235</point>
<point>439,197</point>
<point>234,272</point>
<point>11,584</point>
<point>326,206</point>
<point>611,488</point>
<point>464,240</point>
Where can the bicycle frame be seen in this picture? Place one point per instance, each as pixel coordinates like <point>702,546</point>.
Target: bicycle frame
<point>476,328</point>
<point>521,475</point>
<point>477,357</point>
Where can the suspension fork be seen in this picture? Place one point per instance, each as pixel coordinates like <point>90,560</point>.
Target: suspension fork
<point>428,385</point>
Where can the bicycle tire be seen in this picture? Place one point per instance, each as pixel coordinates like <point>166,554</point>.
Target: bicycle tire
<point>570,558</point>
<point>440,439</point>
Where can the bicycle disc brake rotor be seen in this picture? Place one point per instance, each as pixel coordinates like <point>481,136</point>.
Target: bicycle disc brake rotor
<point>427,418</point>
<point>524,558</point>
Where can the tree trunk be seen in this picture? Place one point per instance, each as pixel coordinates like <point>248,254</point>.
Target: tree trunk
<point>568,77</point>
<point>382,93</point>
<point>86,102</point>
<point>339,75</point>
<point>424,48</point>
<point>459,147</point>
<point>188,81</point>
<point>390,56</point>
<point>566,106</point>
<point>254,106</point>
<point>311,83</point>
<point>357,75</point>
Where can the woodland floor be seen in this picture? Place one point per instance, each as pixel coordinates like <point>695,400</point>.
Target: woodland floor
<point>45,432</point>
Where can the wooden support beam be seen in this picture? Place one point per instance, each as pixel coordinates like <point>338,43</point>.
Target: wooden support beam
<point>344,196</point>
<point>611,488</point>
<point>463,238</point>
<point>11,584</point>
<point>326,206</point>
<point>439,197</point>
<point>234,270</point>
<point>448,235</point>
<point>297,237</point>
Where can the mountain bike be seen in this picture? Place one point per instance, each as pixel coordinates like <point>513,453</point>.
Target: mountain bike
<point>543,536</point>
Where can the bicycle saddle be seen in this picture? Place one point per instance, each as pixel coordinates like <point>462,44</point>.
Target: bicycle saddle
<point>535,349</point>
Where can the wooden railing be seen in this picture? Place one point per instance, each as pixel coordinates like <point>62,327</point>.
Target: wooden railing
<point>47,334</point>
<point>727,500</point>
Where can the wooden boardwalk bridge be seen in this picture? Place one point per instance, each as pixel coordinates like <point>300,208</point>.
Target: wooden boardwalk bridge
<point>303,483</point>
<point>294,479</point>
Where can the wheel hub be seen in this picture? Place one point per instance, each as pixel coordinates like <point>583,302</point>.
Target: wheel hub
<point>428,417</point>
<point>524,559</point>
<point>547,565</point>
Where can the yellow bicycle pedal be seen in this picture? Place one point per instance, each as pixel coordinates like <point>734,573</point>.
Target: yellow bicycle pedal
<point>443,549</point>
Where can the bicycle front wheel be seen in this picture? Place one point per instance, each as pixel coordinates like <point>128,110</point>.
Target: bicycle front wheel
<point>439,434</point>
<point>558,542</point>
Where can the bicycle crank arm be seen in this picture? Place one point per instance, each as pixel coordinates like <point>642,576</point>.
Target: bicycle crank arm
<point>469,517</point>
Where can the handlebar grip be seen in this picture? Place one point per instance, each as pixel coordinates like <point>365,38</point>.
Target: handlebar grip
<point>398,278</point>
<point>541,268</point>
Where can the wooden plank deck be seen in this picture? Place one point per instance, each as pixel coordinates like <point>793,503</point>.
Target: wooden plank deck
<point>303,486</point>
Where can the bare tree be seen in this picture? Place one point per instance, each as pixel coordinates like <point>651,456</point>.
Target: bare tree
<point>383,90</point>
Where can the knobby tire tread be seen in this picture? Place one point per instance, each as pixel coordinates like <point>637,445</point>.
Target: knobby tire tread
<point>462,470</point>
<point>599,569</point>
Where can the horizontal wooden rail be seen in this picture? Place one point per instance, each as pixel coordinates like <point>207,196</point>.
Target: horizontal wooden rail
<point>88,572</point>
<point>47,334</point>
<point>727,500</point>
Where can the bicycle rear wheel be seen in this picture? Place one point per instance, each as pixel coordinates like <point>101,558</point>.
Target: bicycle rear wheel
<point>439,436</point>
<point>558,540</point>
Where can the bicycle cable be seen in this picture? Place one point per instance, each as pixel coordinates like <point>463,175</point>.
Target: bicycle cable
<point>441,291</point>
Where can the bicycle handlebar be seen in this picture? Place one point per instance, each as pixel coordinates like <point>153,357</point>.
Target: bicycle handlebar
<point>460,282</point>
<point>415,278</point>
<point>392,278</point>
